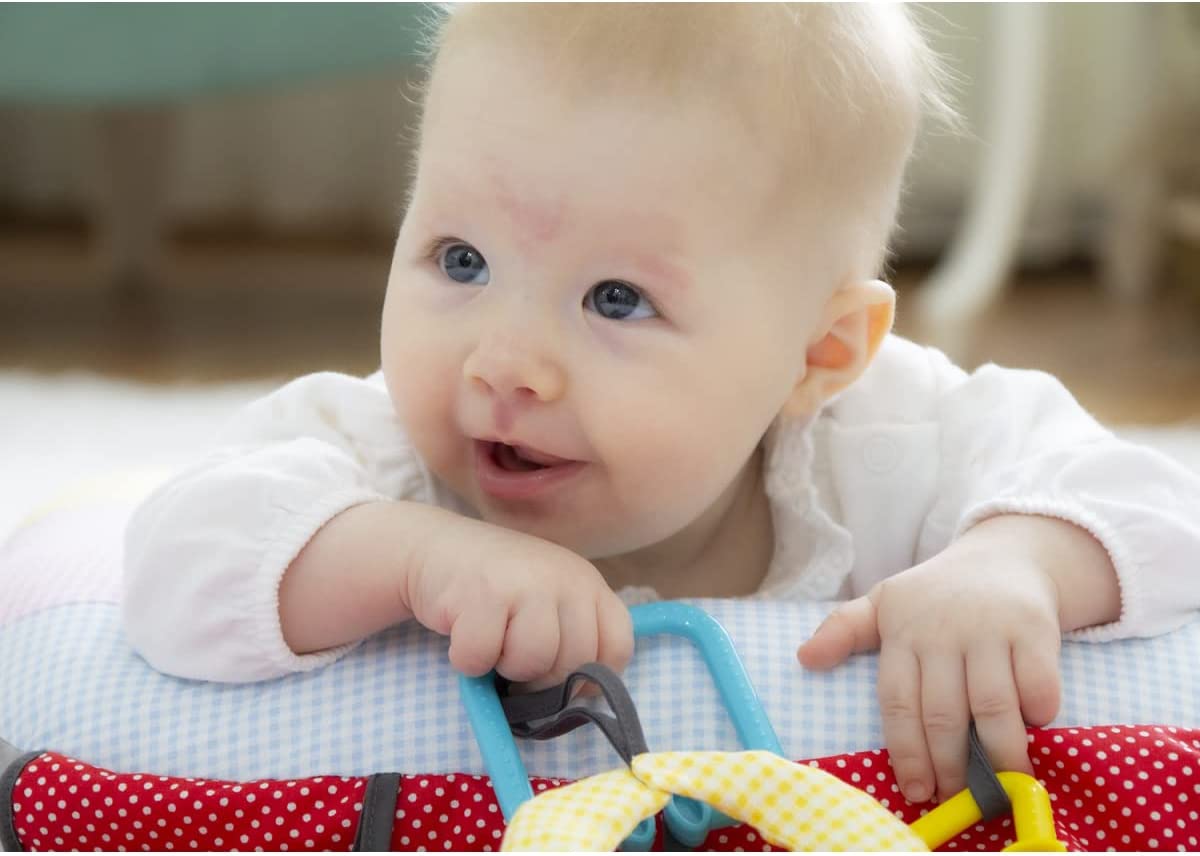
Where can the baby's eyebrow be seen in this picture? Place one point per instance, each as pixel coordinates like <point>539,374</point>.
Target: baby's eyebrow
<point>660,271</point>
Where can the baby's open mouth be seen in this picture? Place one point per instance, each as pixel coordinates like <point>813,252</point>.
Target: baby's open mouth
<point>518,459</point>
<point>512,473</point>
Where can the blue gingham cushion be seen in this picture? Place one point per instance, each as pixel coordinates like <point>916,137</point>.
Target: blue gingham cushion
<point>68,682</point>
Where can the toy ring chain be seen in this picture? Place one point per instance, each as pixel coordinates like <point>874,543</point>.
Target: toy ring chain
<point>982,781</point>
<point>549,713</point>
<point>793,806</point>
<point>552,709</point>
<point>689,820</point>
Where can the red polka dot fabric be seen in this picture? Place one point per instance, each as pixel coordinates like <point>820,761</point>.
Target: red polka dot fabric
<point>62,804</point>
<point>1112,788</point>
<point>454,812</point>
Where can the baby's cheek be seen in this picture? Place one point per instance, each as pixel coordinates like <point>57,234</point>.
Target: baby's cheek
<point>422,396</point>
<point>671,482</point>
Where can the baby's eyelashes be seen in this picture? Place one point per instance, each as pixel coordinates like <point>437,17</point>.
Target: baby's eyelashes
<point>617,301</point>
<point>461,262</point>
<point>611,299</point>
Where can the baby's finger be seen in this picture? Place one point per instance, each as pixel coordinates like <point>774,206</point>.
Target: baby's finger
<point>945,718</point>
<point>996,709</point>
<point>900,707</point>
<point>849,629</point>
<point>615,646</point>
<point>477,638</point>
<point>531,641</point>
<point>576,640</point>
<point>1039,682</point>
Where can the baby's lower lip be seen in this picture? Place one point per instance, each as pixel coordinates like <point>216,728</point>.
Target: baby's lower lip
<point>500,483</point>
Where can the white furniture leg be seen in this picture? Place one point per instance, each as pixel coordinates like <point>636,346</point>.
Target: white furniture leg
<point>1131,245</point>
<point>974,268</point>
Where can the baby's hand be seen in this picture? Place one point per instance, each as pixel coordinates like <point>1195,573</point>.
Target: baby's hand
<point>968,634</point>
<point>529,608</point>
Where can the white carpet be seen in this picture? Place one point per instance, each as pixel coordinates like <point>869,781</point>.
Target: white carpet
<point>58,433</point>
<point>61,432</point>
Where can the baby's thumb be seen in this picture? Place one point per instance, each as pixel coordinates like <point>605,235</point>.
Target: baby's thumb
<point>849,629</point>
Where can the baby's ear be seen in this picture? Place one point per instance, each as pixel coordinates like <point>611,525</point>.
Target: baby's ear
<point>857,317</point>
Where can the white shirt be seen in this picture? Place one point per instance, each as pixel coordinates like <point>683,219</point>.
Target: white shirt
<point>884,477</point>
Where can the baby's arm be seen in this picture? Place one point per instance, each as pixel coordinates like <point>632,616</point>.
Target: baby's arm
<point>312,526</point>
<point>1041,523</point>
<point>527,607</point>
<point>973,633</point>
<point>205,552</point>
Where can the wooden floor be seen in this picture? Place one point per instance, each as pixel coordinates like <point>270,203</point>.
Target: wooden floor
<point>1126,363</point>
<point>233,313</point>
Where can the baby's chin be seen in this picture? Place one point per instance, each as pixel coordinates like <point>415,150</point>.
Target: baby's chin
<point>589,541</point>
<point>590,526</point>
<point>585,536</point>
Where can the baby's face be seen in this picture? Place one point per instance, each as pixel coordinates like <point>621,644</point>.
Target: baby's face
<point>587,330</point>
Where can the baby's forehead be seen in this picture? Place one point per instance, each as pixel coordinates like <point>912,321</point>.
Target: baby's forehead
<point>510,195</point>
<point>541,163</point>
<point>826,96</point>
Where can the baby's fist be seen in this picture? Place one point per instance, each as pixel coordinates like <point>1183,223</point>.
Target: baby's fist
<point>530,609</point>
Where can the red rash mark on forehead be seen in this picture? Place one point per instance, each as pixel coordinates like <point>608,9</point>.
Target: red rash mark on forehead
<point>536,221</point>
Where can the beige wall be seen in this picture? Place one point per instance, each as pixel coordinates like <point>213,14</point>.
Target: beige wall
<point>327,154</point>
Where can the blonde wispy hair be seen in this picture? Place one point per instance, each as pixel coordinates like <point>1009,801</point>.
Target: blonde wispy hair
<point>833,93</point>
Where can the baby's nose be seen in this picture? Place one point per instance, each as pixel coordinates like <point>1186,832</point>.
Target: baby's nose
<point>510,370</point>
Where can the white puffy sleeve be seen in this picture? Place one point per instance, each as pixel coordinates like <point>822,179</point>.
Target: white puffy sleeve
<point>205,553</point>
<point>1013,441</point>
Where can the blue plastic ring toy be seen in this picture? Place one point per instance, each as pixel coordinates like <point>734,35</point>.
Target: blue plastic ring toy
<point>689,821</point>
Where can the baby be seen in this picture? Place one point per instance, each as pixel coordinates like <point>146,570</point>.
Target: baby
<point>633,347</point>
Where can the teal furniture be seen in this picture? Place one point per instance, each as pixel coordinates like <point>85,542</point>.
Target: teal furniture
<point>131,63</point>
<point>126,54</point>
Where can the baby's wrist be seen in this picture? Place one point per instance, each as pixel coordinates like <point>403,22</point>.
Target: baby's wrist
<point>1077,565</point>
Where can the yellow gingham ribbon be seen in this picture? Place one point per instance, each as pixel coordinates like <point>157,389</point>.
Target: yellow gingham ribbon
<point>793,806</point>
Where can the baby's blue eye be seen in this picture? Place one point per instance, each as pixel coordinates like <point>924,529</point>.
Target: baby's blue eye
<point>617,301</point>
<point>463,263</point>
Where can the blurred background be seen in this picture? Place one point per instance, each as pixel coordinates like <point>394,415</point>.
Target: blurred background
<point>197,202</point>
